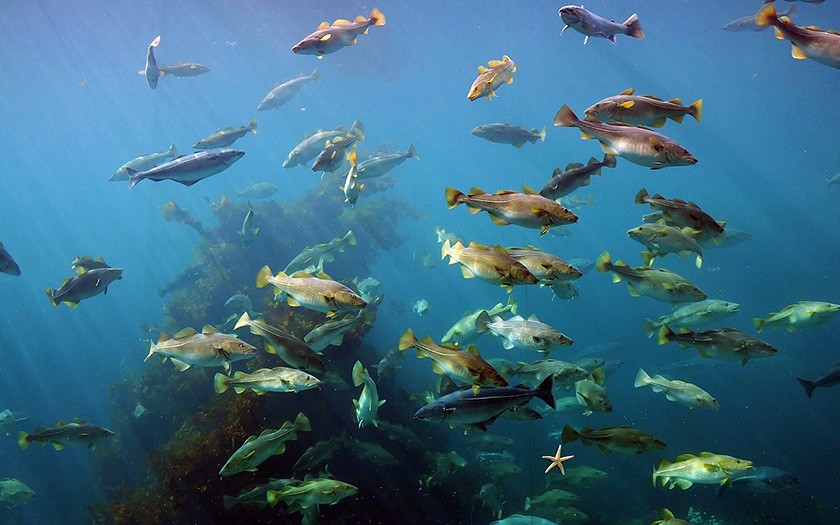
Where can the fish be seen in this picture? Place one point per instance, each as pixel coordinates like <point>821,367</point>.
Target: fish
<point>565,374</point>
<point>798,315</point>
<point>222,138</point>
<point>726,343</point>
<point>284,92</point>
<point>706,468</point>
<point>239,303</point>
<point>315,256</point>
<point>421,307</point>
<point>686,394</point>
<point>77,433</point>
<point>661,239</point>
<point>7,262</point>
<point>258,190</point>
<point>576,175</point>
<point>573,201</point>
<point>747,23</point>
<point>401,434</point>
<point>257,449</point>
<point>278,379</point>
<point>321,294</point>
<point>443,235</point>
<point>642,110</point>
<point>507,133</point>
<point>480,409</point>
<point>151,72</point>
<point>256,495</point>
<point>492,265</point>
<point>248,232</point>
<point>465,330</point>
<point>184,69</point>
<point>564,290</point>
<point>638,145</point>
<point>693,315</point>
<point>144,162</point>
<point>528,209</point>
<point>330,38</point>
<point>84,286</point>
<point>760,480</point>
<point>552,498</point>
<point>491,499</point>
<point>584,477</point>
<point>527,334</point>
<point>320,452</point>
<point>547,267</point>
<point>86,263</point>
<point>13,492</point>
<point>209,348</point>
<point>521,519</point>
<point>310,493</point>
<point>8,420</point>
<point>830,377</point>
<point>667,518</point>
<point>656,283</point>
<point>806,42</point>
<point>352,187</point>
<point>139,411</point>
<point>489,78</point>
<point>626,440</point>
<point>588,23</point>
<point>334,153</point>
<point>367,406</point>
<point>287,347</point>
<point>188,169</point>
<point>382,164</point>
<point>680,212</point>
<point>489,442</point>
<point>835,179</point>
<point>591,393</point>
<point>372,452</point>
<point>466,366</point>
<point>311,145</point>
<point>332,332</point>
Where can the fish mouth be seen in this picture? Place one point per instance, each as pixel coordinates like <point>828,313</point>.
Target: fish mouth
<point>569,14</point>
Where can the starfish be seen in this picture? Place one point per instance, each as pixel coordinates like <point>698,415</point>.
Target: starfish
<point>557,460</point>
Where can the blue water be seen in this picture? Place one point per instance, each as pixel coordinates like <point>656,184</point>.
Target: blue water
<point>73,109</point>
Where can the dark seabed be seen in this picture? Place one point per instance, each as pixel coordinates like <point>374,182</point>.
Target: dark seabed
<point>73,110</point>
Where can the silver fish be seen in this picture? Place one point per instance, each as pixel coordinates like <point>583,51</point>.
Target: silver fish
<point>588,23</point>
<point>286,91</point>
<point>223,138</point>
<point>144,162</point>
<point>152,72</point>
<point>188,169</point>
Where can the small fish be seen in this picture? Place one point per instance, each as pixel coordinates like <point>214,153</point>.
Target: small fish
<point>835,179</point>
<point>661,239</point>
<point>152,72</point>
<point>7,262</point>
<point>367,406</point>
<point>491,499</point>
<point>693,315</point>
<point>77,432</point>
<point>321,294</point>
<point>13,492</point>
<point>638,145</point>
<point>830,377</point>
<point>184,69</point>
<point>401,434</point>
<point>626,440</point>
<point>806,42</point>
<point>313,144</point>
<point>278,379</point>
<point>86,263</point>
<point>642,110</point>
<point>493,265</point>
<point>334,153</point>
<point>527,334</point>
<point>656,283</point>
<point>546,267</point>
<point>330,38</point>
<point>84,286</point>
<point>209,348</point>
<point>747,23</point>
<point>686,394</point>
<point>257,449</point>
<point>726,343</point>
<point>372,452</point>
<point>258,190</point>
<point>320,452</point>
<point>188,169</point>
<point>575,176</point>
<point>489,78</point>
<point>381,165</point>
<point>284,92</point>
<point>287,347</point>
<point>565,374</point>
<point>144,162</point>
<point>421,307</point>
<point>799,315</point>
<point>588,23</point>
<point>248,232</point>
<point>223,138</point>
<point>707,468</point>
<point>139,411</point>
<point>352,187</point>
<point>528,209</point>
<point>506,133</point>
<point>313,257</point>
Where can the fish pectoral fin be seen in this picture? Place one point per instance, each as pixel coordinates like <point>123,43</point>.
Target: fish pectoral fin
<point>796,52</point>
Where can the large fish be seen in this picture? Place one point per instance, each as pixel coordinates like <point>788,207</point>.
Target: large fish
<point>626,440</point>
<point>352,187</point>
<point>592,394</point>
<point>588,23</point>
<point>223,138</point>
<point>311,145</point>
<point>188,169</point>
<point>547,267</point>
<point>693,315</point>
<point>707,468</point>
<point>575,176</point>
<point>84,286</point>
<point>321,294</point>
<point>642,110</point>
<point>528,209</point>
<point>798,315</point>
<point>7,262</point>
<point>491,264</point>
<point>332,332</point>
<point>76,432</point>
<point>208,348</point>
<point>367,406</point>
<point>151,72</point>
<point>287,347</point>
<point>286,91</point>
<point>726,343</point>
<point>256,495</point>
<point>657,283</point>
<point>479,409</point>
<point>184,69</point>
<point>13,492</point>
<point>830,377</point>
<point>257,449</point>
<point>686,394</point>
<point>305,496</point>
<point>638,145</point>
<point>489,78</point>
<point>661,239</point>
<point>681,213</point>
<point>565,374</point>
<point>334,153</point>
<point>506,133</point>
<point>330,38</point>
<point>144,162</point>
<point>382,164</point>
<point>527,334</point>
<point>277,379</point>
<point>806,42</point>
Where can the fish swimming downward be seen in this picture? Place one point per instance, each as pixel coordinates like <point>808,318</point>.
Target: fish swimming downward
<point>489,78</point>
<point>367,406</point>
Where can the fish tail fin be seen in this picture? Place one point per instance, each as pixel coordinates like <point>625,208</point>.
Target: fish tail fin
<point>542,134</point>
<point>642,378</point>
<point>229,501</point>
<point>243,320</point>
<point>453,197</point>
<point>759,324</point>
<point>252,126</point>
<point>766,16</point>
<point>133,178</point>
<point>151,351</point>
<point>697,109</point>
<point>512,304</point>
<point>359,373</point>
<point>648,257</point>
<point>482,321</point>
<point>302,422</point>
<point>609,160</point>
<point>544,391</point>
<point>809,386</point>
<point>566,118</point>
<point>407,340</point>
<point>358,129</point>
<point>316,75</point>
<point>51,296</point>
<point>649,327</point>
<point>641,196</point>
<point>603,263</point>
<point>666,335</point>
<point>412,153</point>
<point>24,439</point>
<point>569,434</point>
<point>221,383</point>
<point>262,276</point>
<point>376,17</point>
<point>172,151</point>
<point>632,27</point>
<point>155,42</point>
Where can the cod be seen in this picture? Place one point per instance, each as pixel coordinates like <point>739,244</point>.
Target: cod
<point>528,209</point>
<point>726,343</point>
<point>209,348</point>
<point>257,449</point>
<point>289,348</point>
<point>656,283</point>
<point>491,264</point>
<point>707,468</point>
<point>321,294</point>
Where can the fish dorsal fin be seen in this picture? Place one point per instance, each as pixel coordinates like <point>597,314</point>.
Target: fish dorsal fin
<point>163,338</point>
<point>186,332</point>
<point>527,190</point>
<point>341,22</point>
<point>482,70</point>
<point>684,457</point>
<point>475,190</point>
<point>209,330</point>
<point>652,97</point>
<point>473,350</point>
<point>533,317</point>
<point>676,101</point>
<point>301,275</point>
<point>573,165</point>
<point>494,63</point>
<point>628,91</point>
<point>598,376</point>
<point>322,275</point>
<point>323,25</point>
<point>359,19</point>
<point>515,318</point>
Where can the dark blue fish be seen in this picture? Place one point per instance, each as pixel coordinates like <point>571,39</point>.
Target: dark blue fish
<point>588,23</point>
<point>7,263</point>
<point>830,378</point>
<point>760,480</point>
<point>188,169</point>
<point>83,286</point>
